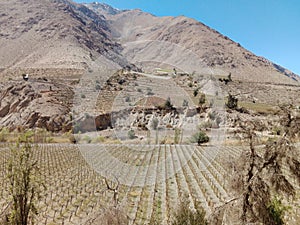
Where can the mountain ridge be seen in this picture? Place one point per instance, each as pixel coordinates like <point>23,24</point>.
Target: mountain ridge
<point>135,25</point>
<point>64,34</point>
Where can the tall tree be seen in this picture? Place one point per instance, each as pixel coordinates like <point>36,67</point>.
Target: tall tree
<point>265,167</point>
<point>25,184</point>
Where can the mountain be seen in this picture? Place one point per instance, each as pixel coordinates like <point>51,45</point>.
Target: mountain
<point>54,34</point>
<point>188,44</point>
<point>63,34</point>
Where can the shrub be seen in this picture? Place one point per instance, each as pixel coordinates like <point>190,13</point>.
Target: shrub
<point>202,99</point>
<point>150,93</point>
<point>185,103</point>
<point>72,139</point>
<point>205,125</point>
<point>3,134</point>
<point>26,137</point>
<point>99,139</point>
<point>195,93</point>
<point>276,211</point>
<point>77,128</point>
<point>82,96</point>
<point>127,99</point>
<point>200,137</point>
<point>131,134</point>
<point>97,87</point>
<point>212,115</point>
<point>187,216</point>
<point>87,139</point>
<point>177,133</point>
<point>110,216</point>
<point>232,102</point>
<point>154,123</point>
<point>168,104</point>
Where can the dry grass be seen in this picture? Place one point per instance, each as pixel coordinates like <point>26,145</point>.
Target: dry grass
<point>258,107</point>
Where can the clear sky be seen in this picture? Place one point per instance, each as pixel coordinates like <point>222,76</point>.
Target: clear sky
<point>268,28</point>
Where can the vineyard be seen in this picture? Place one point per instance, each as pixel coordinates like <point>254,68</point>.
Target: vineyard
<point>151,179</point>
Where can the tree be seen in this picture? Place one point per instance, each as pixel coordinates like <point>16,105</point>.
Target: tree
<point>195,93</point>
<point>25,186</point>
<point>202,99</point>
<point>275,159</point>
<point>131,134</point>
<point>232,102</point>
<point>168,104</point>
<point>185,103</point>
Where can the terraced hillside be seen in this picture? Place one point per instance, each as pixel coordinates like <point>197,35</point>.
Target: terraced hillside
<point>151,177</point>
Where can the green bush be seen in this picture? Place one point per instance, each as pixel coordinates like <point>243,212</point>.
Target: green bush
<point>200,137</point>
<point>168,104</point>
<point>131,134</point>
<point>97,87</point>
<point>195,93</point>
<point>185,103</point>
<point>232,102</point>
<point>25,183</point>
<point>87,139</point>
<point>99,139</point>
<point>276,211</point>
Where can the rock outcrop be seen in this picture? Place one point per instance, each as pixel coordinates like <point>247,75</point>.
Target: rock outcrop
<point>36,103</point>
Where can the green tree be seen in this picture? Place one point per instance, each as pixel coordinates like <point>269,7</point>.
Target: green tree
<point>131,134</point>
<point>25,186</point>
<point>232,102</point>
<point>195,93</point>
<point>168,104</point>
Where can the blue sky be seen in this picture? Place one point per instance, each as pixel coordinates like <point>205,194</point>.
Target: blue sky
<point>268,28</point>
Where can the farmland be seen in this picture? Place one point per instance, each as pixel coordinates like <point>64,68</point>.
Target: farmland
<point>151,178</point>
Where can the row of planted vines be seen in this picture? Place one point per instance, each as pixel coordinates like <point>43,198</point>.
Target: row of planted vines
<point>148,180</point>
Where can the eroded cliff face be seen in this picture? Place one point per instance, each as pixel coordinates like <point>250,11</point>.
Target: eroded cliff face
<point>35,103</point>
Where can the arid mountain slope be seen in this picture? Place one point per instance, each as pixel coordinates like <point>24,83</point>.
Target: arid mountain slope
<point>55,34</point>
<point>187,44</point>
<point>63,34</point>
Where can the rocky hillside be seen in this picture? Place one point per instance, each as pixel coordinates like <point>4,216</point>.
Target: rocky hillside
<point>38,103</point>
<point>55,34</point>
<point>188,45</point>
